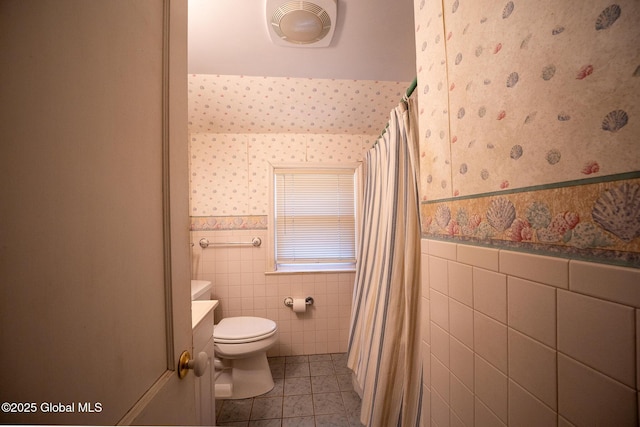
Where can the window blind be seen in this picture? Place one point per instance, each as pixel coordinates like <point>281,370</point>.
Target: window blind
<point>314,216</point>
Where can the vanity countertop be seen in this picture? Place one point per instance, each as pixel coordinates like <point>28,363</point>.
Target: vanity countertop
<point>200,309</point>
<point>199,288</point>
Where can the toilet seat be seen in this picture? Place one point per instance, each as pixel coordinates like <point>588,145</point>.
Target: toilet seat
<point>243,329</point>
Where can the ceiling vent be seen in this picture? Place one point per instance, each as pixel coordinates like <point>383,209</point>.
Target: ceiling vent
<point>301,23</point>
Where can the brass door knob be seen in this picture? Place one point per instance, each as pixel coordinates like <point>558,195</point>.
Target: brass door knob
<point>199,364</point>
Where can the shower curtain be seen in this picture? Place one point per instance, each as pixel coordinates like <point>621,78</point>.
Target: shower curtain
<point>384,339</point>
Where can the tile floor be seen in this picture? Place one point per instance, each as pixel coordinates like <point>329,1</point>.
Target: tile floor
<point>310,391</point>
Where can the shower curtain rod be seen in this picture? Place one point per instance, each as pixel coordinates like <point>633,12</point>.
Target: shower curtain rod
<point>405,98</point>
<point>410,89</point>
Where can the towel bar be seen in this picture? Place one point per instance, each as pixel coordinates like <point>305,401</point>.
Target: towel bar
<point>205,243</point>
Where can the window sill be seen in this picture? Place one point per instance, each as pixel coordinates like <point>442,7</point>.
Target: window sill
<point>312,270</point>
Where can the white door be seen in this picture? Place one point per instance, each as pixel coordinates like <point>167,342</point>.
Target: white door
<point>94,250</point>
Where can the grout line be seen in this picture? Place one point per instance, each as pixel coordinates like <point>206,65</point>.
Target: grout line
<point>343,412</point>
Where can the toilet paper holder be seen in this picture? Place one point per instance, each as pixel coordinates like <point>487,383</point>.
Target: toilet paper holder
<point>288,301</point>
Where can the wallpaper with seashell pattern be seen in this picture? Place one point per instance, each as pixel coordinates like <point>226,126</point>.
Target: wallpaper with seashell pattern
<point>530,124</point>
<point>519,93</point>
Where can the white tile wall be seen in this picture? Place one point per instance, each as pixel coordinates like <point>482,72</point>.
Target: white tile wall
<point>460,282</point>
<point>425,327</point>
<point>240,283</point>
<point>490,293</point>
<point>532,309</point>
<point>484,417</point>
<point>598,333</point>
<point>461,322</point>
<point>440,344</point>
<point>563,422</point>
<point>478,256</point>
<point>544,269</point>
<point>426,364</point>
<point>461,362</point>
<point>491,388</point>
<point>527,411</point>
<point>439,410</point>
<point>533,366</point>
<point>490,340</point>
<point>587,397</point>
<point>424,274</point>
<point>438,275</point>
<point>613,283</point>
<point>461,401</point>
<point>440,379</point>
<point>439,307</point>
<point>441,249</point>
<point>425,333</point>
<point>454,420</point>
<point>530,340</point>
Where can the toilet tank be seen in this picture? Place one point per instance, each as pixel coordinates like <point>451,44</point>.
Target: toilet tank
<point>200,290</point>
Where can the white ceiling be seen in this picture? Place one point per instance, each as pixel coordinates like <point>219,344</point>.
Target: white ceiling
<point>373,40</point>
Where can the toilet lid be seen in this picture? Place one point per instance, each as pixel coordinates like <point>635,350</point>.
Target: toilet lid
<point>243,329</point>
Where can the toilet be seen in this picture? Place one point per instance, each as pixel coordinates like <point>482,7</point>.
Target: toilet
<point>240,346</point>
<point>240,351</point>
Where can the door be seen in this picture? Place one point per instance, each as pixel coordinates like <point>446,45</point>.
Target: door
<point>94,250</point>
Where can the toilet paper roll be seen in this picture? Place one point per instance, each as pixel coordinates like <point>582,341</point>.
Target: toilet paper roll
<point>299,305</point>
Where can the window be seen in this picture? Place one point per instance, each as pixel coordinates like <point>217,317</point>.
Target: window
<point>314,218</point>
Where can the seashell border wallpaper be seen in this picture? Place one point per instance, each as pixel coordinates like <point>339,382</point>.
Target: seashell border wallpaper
<point>530,125</point>
<point>599,221</point>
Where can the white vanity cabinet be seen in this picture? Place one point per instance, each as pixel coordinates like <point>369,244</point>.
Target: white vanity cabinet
<point>202,323</point>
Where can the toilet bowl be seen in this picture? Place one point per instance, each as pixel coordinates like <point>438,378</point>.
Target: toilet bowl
<point>240,345</point>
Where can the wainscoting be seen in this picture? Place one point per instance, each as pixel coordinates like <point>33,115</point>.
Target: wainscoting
<point>511,338</point>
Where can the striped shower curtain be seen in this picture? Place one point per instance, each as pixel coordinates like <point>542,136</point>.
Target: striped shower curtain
<point>384,340</point>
